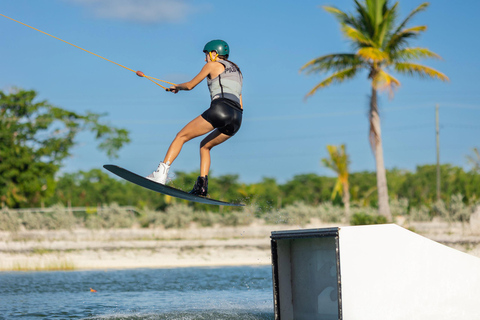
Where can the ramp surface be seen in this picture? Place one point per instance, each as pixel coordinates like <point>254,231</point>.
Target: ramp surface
<point>389,272</point>
<point>371,273</point>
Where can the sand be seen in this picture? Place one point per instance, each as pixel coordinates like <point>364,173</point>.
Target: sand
<point>83,249</point>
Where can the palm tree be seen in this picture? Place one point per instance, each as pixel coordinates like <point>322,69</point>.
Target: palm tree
<point>339,162</point>
<point>381,46</point>
<point>474,160</point>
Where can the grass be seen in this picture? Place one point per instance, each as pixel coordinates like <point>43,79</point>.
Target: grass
<point>58,265</point>
<point>42,251</point>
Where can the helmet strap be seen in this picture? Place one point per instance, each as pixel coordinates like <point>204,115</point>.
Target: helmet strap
<point>211,56</point>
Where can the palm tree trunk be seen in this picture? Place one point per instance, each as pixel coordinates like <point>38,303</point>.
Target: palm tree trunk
<point>376,144</point>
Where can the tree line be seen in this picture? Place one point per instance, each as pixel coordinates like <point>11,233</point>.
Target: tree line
<point>36,137</point>
<point>96,187</point>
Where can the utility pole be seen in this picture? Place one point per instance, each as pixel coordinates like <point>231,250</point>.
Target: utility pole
<point>437,129</point>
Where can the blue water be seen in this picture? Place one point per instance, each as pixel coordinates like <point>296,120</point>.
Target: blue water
<point>183,293</point>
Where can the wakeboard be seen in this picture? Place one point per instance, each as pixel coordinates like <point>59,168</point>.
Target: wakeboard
<point>157,187</point>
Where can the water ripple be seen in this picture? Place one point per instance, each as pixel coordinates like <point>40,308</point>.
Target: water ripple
<point>184,293</point>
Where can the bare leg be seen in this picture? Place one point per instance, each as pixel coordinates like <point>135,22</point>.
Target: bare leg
<point>212,140</point>
<point>193,129</point>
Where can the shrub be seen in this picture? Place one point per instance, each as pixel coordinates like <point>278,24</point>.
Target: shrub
<point>116,217</point>
<point>110,216</point>
<point>329,213</point>
<point>456,210</point>
<point>206,218</point>
<point>93,222</point>
<point>178,215</point>
<point>60,218</point>
<point>150,218</point>
<point>32,220</point>
<point>239,218</point>
<point>294,214</point>
<point>9,220</point>
<point>366,219</point>
<point>420,214</point>
<point>399,207</point>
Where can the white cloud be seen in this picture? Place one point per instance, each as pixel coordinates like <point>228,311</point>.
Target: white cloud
<point>145,11</point>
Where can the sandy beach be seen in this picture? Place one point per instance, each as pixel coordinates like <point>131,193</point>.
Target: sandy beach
<point>83,249</point>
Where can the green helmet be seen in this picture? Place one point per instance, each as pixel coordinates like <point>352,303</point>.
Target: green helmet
<point>219,46</point>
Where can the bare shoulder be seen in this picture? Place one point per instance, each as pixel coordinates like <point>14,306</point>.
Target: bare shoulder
<point>215,68</point>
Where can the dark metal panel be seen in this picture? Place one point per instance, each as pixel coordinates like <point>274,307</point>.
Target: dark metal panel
<point>299,234</point>
<point>276,291</point>
<point>304,233</point>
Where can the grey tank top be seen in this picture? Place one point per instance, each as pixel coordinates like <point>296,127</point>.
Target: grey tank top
<point>228,84</point>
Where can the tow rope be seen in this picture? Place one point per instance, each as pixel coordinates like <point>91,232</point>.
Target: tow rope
<point>138,73</point>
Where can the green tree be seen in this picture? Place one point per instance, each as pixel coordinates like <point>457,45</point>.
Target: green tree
<point>227,188</point>
<point>35,139</point>
<point>381,46</point>
<point>266,195</point>
<point>308,188</point>
<point>338,162</point>
<point>97,187</point>
<point>419,187</point>
<point>363,187</point>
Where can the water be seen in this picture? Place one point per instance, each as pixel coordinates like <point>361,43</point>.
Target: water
<point>184,293</point>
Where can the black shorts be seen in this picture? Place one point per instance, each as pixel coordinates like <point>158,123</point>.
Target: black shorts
<point>224,115</point>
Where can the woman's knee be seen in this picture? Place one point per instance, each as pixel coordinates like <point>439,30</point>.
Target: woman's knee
<point>182,137</point>
<point>205,145</point>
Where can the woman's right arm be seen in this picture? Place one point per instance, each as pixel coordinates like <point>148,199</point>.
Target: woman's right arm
<point>206,70</point>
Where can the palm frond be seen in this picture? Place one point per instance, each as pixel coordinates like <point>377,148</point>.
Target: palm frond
<point>474,160</point>
<point>332,62</point>
<point>338,161</point>
<point>419,70</point>
<point>364,21</point>
<point>385,81</point>
<point>337,189</point>
<point>415,54</point>
<point>386,25</point>
<point>341,16</point>
<point>358,37</point>
<point>337,77</point>
<point>375,8</point>
<point>400,38</point>
<point>420,8</point>
<point>372,54</point>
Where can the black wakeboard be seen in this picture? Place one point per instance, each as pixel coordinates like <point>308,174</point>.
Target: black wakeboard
<point>157,187</point>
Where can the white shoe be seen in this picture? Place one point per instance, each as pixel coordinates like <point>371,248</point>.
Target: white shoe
<point>160,175</point>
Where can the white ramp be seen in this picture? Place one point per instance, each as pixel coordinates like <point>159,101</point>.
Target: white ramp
<point>369,273</point>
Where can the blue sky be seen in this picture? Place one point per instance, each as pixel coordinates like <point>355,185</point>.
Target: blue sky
<point>282,134</point>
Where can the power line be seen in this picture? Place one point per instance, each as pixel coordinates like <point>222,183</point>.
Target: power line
<point>463,126</point>
<point>461,106</point>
